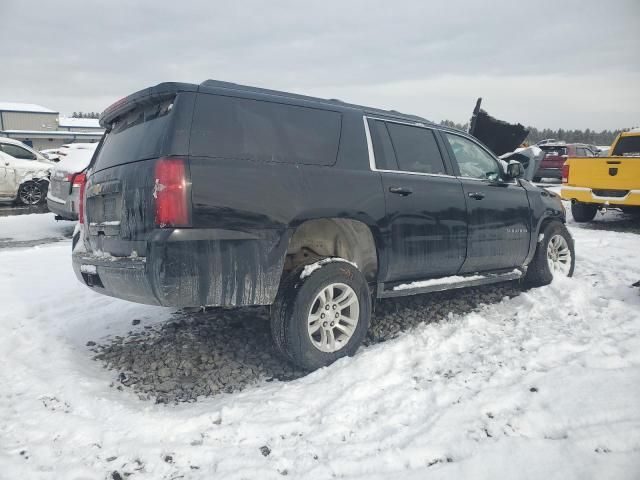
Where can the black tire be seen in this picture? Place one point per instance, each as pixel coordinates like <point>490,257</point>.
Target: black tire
<point>539,273</point>
<point>295,299</point>
<point>583,212</point>
<point>537,179</point>
<point>32,193</point>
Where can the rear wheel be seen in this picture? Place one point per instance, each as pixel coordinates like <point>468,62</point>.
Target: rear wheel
<point>555,256</point>
<point>537,179</point>
<point>583,212</point>
<point>321,314</point>
<point>32,193</point>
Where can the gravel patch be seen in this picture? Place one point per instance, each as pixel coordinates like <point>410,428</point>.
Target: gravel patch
<point>196,355</point>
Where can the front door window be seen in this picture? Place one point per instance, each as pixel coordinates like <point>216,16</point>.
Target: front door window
<point>473,161</point>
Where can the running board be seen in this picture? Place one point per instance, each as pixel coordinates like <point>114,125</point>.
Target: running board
<point>447,283</point>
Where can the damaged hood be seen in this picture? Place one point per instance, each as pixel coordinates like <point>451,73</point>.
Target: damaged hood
<point>501,137</point>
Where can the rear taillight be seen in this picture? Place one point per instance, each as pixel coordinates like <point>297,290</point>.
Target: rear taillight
<point>78,180</point>
<point>81,200</point>
<point>565,173</point>
<point>170,193</point>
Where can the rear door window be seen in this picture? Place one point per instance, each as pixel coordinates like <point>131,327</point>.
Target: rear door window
<point>416,149</point>
<point>245,129</point>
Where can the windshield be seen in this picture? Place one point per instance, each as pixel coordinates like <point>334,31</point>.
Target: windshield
<point>627,147</point>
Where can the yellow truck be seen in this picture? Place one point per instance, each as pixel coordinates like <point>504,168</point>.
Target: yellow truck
<point>593,183</point>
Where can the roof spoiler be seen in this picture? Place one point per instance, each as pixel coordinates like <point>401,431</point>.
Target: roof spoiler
<point>143,97</point>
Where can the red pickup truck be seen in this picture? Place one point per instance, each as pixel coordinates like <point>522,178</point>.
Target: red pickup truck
<point>555,156</point>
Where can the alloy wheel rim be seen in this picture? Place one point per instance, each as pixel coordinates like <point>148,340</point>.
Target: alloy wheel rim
<point>559,255</point>
<point>333,317</point>
<point>31,194</point>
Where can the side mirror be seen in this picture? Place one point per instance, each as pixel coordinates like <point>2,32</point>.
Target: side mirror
<point>515,169</point>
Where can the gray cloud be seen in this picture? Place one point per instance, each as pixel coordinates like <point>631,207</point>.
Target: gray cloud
<point>574,65</point>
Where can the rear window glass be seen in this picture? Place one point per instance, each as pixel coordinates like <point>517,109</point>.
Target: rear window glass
<point>237,128</point>
<point>416,149</point>
<point>627,147</point>
<point>138,135</point>
<point>554,150</point>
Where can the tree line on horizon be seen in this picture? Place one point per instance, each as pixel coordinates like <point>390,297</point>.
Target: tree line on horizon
<point>588,136</point>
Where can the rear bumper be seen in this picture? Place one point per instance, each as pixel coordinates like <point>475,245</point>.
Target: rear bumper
<point>586,195</point>
<point>190,268</point>
<point>549,172</point>
<point>61,208</point>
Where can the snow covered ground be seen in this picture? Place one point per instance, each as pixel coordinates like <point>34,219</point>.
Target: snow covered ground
<point>542,385</point>
<point>27,230</point>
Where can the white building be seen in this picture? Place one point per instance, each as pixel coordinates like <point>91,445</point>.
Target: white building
<point>43,128</point>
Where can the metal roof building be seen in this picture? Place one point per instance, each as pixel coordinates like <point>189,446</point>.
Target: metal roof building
<point>43,128</point>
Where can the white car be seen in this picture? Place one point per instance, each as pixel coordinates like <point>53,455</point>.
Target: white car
<point>19,150</point>
<point>22,180</point>
<point>67,177</point>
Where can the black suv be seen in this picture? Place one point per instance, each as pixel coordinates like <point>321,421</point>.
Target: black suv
<point>224,195</point>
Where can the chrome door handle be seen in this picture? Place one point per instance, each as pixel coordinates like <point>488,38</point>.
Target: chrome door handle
<point>404,191</point>
<point>476,195</point>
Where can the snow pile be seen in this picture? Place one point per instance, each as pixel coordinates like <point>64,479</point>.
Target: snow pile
<point>75,160</point>
<point>543,385</point>
<point>438,281</point>
<point>312,267</point>
<point>79,122</point>
<point>24,107</point>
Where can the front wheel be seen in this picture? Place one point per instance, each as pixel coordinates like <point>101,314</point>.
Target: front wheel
<point>321,313</point>
<point>555,256</point>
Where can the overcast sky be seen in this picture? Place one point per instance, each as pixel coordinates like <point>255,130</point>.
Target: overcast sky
<point>572,64</point>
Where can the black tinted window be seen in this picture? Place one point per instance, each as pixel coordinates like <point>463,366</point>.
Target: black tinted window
<point>239,128</point>
<point>382,148</point>
<point>137,135</point>
<point>416,149</point>
<point>627,147</point>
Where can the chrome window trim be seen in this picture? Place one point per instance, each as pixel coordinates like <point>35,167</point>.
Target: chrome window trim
<point>372,156</point>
